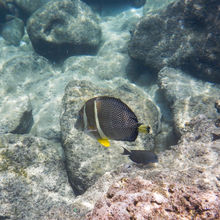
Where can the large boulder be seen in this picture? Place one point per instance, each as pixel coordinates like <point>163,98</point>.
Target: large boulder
<point>187,96</point>
<point>60,29</point>
<point>185,35</point>
<point>33,178</point>
<point>86,158</point>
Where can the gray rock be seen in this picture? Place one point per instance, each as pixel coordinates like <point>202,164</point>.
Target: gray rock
<point>3,10</point>
<point>138,3</point>
<point>15,114</point>
<point>97,67</point>
<point>8,52</point>
<point>103,4</point>
<point>187,96</point>
<point>193,162</point>
<point>152,6</point>
<point>115,34</point>
<point>29,6</point>
<point>17,73</point>
<point>185,35</point>
<point>60,29</point>
<point>33,177</point>
<point>13,31</point>
<point>185,110</point>
<point>29,74</point>
<point>86,158</point>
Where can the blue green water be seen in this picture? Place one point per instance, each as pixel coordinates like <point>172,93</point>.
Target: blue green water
<point>53,60</point>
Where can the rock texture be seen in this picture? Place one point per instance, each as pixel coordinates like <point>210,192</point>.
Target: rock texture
<point>29,74</point>
<point>60,29</point>
<point>104,67</point>
<point>185,35</point>
<point>155,5</point>
<point>118,3</point>
<point>3,10</point>
<point>13,31</point>
<point>86,158</point>
<point>185,181</point>
<point>187,96</point>
<point>33,177</point>
<point>17,73</point>
<point>29,6</point>
<point>143,199</point>
<point>15,114</point>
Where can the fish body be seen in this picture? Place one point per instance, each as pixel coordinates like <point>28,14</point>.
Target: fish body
<point>141,156</point>
<point>107,118</point>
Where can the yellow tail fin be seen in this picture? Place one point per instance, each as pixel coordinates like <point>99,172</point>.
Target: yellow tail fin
<point>104,142</point>
<point>145,129</point>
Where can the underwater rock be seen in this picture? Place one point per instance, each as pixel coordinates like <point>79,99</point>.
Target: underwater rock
<point>15,114</point>
<point>86,159</point>
<point>8,52</point>
<point>101,4</point>
<point>3,10</point>
<point>28,7</point>
<point>33,177</point>
<point>137,198</point>
<point>187,96</point>
<point>13,31</point>
<point>97,67</point>
<point>217,105</point>
<point>193,165</point>
<point>31,74</point>
<point>137,3</point>
<point>152,6</point>
<point>60,29</point>
<point>185,35</point>
<point>22,71</point>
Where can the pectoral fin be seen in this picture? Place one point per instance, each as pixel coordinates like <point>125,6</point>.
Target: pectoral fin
<point>104,142</point>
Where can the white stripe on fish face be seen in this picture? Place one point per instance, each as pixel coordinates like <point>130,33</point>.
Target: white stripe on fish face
<point>101,133</point>
<point>85,118</point>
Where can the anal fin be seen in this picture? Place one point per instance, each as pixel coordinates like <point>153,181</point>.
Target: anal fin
<point>104,142</point>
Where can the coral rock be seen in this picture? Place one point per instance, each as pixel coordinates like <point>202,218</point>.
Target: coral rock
<point>143,199</point>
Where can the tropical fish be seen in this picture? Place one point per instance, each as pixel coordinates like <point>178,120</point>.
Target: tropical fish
<point>107,118</point>
<point>215,136</point>
<point>217,105</point>
<point>141,156</point>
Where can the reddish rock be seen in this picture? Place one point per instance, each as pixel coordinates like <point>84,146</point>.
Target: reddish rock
<point>137,198</point>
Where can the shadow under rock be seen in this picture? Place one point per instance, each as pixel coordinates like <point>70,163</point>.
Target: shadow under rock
<point>139,74</point>
<point>142,76</point>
